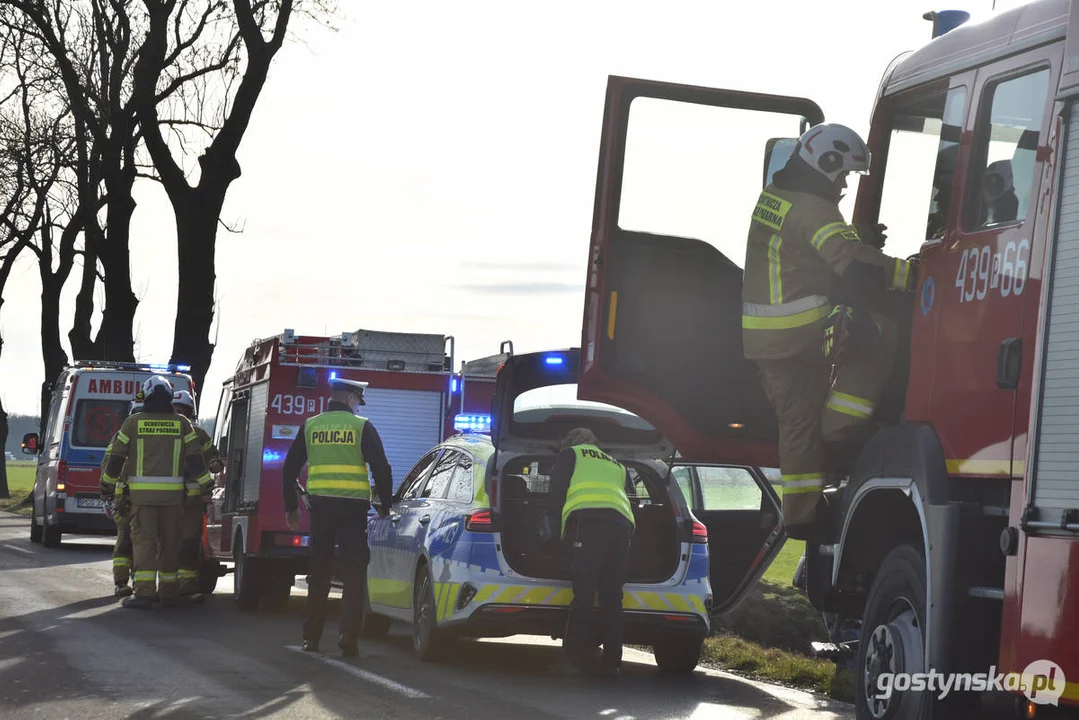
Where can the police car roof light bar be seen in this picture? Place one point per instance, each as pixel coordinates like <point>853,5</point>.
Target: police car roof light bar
<point>472,423</point>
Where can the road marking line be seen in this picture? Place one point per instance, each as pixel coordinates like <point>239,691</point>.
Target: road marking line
<point>365,675</point>
<point>16,547</point>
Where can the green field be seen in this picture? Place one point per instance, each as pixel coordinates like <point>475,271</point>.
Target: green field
<point>20,479</point>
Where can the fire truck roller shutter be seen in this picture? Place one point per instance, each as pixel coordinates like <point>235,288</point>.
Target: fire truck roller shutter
<point>408,421</point>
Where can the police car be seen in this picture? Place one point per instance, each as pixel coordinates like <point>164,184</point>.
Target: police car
<point>466,552</point>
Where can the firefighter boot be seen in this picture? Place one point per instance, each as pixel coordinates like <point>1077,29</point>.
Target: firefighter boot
<point>122,591</point>
<point>138,603</point>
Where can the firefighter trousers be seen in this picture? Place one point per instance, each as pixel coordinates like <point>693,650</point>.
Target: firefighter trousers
<point>155,537</point>
<point>812,411</point>
<point>191,545</point>
<point>600,552</point>
<point>121,550</point>
<point>336,521</point>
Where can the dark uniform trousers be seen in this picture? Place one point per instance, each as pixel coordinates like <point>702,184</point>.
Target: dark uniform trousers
<point>599,541</point>
<point>337,521</point>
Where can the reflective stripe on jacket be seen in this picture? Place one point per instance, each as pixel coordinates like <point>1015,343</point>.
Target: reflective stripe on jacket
<point>335,462</point>
<point>209,451</point>
<point>598,482</point>
<point>798,248</point>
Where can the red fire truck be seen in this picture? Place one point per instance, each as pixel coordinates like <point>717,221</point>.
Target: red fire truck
<point>954,531</point>
<point>473,389</point>
<point>278,383</point>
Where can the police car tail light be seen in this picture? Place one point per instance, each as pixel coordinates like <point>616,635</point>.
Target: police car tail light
<point>699,533</point>
<point>480,521</point>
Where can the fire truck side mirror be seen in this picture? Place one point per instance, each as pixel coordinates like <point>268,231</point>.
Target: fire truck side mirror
<point>777,152</point>
<point>30,444</point>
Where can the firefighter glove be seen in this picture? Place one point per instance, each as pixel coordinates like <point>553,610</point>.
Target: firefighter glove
<point>873,234</point>
<point>837,331</point>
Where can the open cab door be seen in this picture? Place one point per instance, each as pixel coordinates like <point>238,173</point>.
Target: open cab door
<point>741,511</point>
<point>679,176</point>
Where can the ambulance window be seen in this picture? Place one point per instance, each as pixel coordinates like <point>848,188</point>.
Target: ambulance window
<point>1007,137</point>
<point>919,170</point>
<point>728,488</point>
<point>52,430</point>
<point>96,421</point>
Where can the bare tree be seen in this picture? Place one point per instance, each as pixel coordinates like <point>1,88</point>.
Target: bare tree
<point>34,153</point>
<point>182,70</point>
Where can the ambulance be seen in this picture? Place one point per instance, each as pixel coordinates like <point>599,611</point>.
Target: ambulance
<point>90,400</point>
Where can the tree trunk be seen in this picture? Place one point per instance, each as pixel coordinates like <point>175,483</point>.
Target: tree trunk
<point>196,228</point>
<point>115,338</point>
<point>52,352</point>
<point>82,342</point>
<point>4,492</point>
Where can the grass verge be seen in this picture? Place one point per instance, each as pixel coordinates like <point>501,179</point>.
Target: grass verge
<point>20,480</point>
<point>767,636</point>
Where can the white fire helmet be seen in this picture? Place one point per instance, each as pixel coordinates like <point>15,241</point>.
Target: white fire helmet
<point>833,149</point>
<point>156,383</point>
<point>136,406</point>
<point>182,398</point>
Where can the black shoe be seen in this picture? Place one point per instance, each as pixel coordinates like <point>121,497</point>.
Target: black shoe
<point>348,646</point>
<point>309,646</point>
<point>138,603</point>
<point>193,599</point>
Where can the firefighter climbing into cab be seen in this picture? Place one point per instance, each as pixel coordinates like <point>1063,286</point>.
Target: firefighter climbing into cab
<point>809,285</point>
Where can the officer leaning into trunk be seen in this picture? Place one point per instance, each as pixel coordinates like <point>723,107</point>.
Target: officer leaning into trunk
<point>588,490</point>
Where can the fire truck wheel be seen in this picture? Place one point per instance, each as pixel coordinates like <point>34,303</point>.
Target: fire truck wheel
<point>278,590</point>
<point>892,640</point>
<point>209,572</point>
<point>247,585</point>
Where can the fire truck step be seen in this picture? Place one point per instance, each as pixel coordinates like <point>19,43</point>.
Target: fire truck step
<point>834,651</point>
<point>986,593</point>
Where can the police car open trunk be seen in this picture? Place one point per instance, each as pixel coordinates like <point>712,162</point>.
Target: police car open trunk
<point>535,406</point>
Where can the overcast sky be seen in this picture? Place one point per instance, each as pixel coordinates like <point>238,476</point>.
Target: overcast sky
<point>431,166</point>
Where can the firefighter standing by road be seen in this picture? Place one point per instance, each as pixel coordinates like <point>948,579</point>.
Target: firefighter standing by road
<point>114,491</point>
<point>337,446</point>
<point>160,448</point>
<point>588,490</point>
<point>804,267</point>
<point>194,505</point>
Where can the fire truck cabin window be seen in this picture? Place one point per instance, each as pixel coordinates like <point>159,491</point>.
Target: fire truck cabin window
<point>1007,140</point>
<point>919,170</point>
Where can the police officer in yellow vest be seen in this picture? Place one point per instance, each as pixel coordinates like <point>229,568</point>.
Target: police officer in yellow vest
<point>194,505</point>
<point>338,446</point>
<point>115,493</point>
<point>160,448</point>
<point>809,280</point>
<point>588,492</point>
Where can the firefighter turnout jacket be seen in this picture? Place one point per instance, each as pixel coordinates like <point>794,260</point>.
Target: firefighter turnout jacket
<point>598,482</point>
<point>160,449</point>
<point>212,457</point>
<point>798,254</point>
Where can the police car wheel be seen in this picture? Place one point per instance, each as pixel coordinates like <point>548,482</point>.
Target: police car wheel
<point>50,534</point>
<point>426,639</point>
<point>677,655</point>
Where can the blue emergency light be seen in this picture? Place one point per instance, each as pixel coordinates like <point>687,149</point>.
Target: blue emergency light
<point>333,376</point>
<point>453,385</point>
<point>472,423</point>
<point>270,456</point>
<point>553,359</point>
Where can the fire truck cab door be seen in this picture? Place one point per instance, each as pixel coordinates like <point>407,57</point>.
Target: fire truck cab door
<point>679,175</point>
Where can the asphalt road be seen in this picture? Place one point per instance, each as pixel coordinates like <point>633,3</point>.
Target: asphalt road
<point>68,650</point>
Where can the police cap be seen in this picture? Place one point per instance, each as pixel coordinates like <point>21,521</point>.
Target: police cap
<point>350,386</point>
